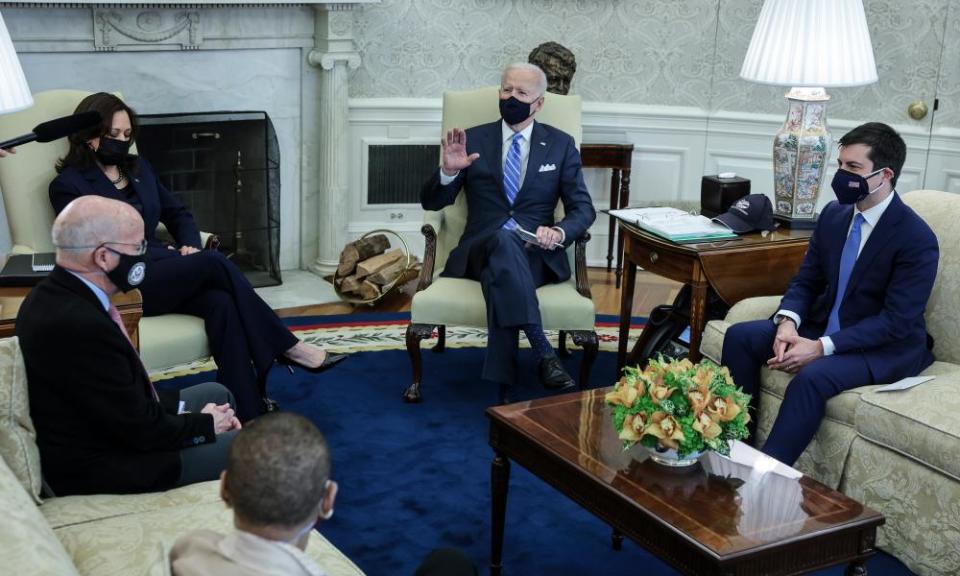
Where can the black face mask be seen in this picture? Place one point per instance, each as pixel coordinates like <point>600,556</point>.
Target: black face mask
<point>113,152</point>
<point>514,111</point>
<point>129,273</point>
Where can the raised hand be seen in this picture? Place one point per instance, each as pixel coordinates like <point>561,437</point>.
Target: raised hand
<point>455,156</point>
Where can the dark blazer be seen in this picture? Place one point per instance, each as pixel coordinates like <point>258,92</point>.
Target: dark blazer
<point>159,205</point>
<point>487,206</point>
<point>881,315</point>
<point>98,427</point>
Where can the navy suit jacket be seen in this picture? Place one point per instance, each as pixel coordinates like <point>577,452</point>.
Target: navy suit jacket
<point>881,314</point>
<point>159,205</point>
<point>487,206</point>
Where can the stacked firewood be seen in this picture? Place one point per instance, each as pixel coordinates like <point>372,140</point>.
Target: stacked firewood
<point>368,268</point>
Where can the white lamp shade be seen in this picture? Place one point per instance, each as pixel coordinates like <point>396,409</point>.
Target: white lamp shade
<point>819,43</point>
<point>14,92</point>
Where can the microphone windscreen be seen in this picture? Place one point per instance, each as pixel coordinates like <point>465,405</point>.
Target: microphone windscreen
<point>60,127</point>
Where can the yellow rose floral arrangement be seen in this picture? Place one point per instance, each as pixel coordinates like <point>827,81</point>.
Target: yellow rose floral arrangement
<point>679,405</point>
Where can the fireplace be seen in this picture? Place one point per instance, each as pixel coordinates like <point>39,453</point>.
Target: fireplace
<point>225,167</point>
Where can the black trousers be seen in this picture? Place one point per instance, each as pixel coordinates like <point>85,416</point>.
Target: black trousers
<point>245,334</point>
<point>206,461</point>
<point>509,271</point>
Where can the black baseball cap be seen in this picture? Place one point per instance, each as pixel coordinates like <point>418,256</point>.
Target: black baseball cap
<point>752,212</point>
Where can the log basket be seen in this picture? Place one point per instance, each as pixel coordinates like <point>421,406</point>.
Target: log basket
<point>388,287</point>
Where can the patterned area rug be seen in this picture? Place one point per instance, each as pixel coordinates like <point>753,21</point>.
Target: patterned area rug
<point>386,331</point>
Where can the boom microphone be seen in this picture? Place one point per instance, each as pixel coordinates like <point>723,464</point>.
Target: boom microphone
<point>57,128</point>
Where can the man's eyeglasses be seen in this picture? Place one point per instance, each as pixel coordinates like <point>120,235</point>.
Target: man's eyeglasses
<point>141,247</point>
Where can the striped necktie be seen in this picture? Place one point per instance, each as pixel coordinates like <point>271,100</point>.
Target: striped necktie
<point>847,259</point>
<point>511,176</point>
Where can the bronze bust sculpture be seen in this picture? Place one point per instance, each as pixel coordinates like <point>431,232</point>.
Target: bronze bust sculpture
<point>557,63</point>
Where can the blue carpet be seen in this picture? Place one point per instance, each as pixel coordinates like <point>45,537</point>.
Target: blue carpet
<point>416,477</point>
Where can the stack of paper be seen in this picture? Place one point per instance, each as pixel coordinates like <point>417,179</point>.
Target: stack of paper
<point>675,224</point>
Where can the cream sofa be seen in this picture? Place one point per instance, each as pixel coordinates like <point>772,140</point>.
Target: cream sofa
<point>895,452</point>
<point>99,534</point>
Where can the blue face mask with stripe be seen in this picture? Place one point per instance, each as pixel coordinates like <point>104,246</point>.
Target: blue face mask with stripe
<point>851,188</point>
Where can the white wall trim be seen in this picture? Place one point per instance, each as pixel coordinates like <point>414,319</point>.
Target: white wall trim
<point>673,148</point>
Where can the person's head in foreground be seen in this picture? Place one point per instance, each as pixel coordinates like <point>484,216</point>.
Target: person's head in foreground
<point>277,479</point>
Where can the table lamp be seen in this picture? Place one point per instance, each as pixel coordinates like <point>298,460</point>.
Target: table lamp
<point>809,45</point>
<point>14,92</point>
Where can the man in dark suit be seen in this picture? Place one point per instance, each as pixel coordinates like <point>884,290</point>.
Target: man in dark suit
<point>101,425</point>
<point>853,314</point>
<point>514,171</point>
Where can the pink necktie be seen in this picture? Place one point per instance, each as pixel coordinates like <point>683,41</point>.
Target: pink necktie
<point>115,316</point>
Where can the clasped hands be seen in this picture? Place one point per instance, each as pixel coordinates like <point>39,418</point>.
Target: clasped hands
<point>184,250</point>
<point>224,418</point>
<point>455,159</point>
<point>791,352</point>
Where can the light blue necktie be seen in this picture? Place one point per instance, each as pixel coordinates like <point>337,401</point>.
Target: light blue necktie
<point>847,259</point>
<point>511,176</point>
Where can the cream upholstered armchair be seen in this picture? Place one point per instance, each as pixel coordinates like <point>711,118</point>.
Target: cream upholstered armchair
<point>166,340</point>
<point>439,302</point>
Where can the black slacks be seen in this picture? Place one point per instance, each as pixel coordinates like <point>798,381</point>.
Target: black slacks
<point>245,334</point>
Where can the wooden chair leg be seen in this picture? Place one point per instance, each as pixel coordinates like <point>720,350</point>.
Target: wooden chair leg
<point>441,344</point>
<point>587,339</point>
<point>416,333</point>
<point>562,348</point>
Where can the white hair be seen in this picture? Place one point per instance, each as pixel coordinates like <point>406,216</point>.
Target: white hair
<point>87,222</point>
<point>541,76</point>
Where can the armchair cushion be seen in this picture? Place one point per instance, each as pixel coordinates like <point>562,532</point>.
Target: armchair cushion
<point>171,340</point>
<point>920,422</point>
<point>18,437</point>
<point>459,302</point>
<point>27,544</point>
<point>129,543</point>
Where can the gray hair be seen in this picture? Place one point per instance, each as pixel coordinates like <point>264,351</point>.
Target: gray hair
<point>87,222</point>
<point>541,76</point>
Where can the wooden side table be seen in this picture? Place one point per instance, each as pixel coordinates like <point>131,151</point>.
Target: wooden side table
<point>752,265</point>
<point>130,306</point>
<point>617,157</point>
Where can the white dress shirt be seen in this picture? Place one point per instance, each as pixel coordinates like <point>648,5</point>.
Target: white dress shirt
<point>101,295</point>
<point>870,218</point>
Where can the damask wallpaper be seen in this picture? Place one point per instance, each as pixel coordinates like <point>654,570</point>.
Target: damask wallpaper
<point>651,52</point>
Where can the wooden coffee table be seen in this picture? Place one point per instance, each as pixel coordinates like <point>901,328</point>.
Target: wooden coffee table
<point>748,514</point>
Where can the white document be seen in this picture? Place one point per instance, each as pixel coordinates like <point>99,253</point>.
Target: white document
<point>672,223</point>
<point>532,238</point>
<point>905,384</point>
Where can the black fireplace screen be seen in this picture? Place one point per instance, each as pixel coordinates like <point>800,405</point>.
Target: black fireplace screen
<point>225,167</point>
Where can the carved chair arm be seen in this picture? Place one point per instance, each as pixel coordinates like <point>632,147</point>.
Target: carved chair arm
<point>429,256</point>
<point>211,242</point>
<point>580,263</point>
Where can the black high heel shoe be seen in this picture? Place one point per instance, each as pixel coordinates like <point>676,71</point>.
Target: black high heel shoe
<point>328,361</point>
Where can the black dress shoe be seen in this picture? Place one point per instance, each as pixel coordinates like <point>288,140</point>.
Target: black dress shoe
<point>553,376</point>
<point>328,361</point>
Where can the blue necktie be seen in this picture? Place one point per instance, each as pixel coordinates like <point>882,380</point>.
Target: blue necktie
<point>847,259</point>
<point>511,176</point>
